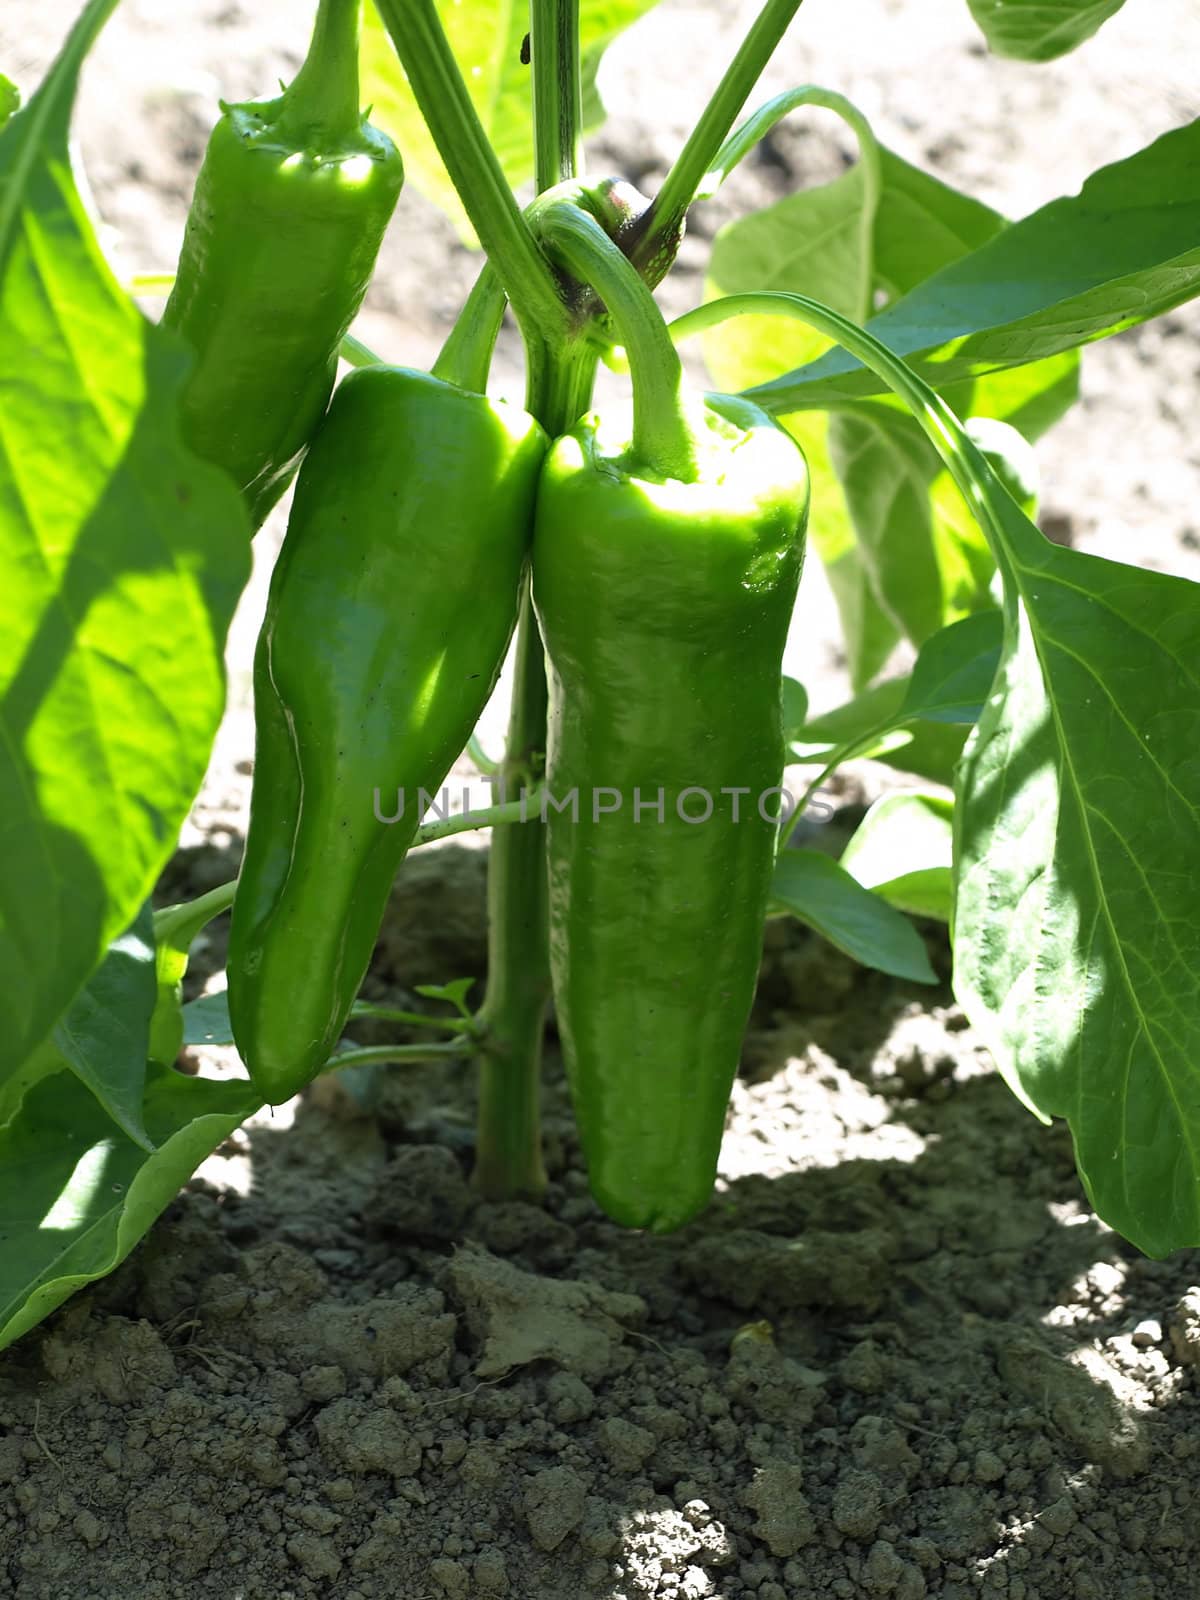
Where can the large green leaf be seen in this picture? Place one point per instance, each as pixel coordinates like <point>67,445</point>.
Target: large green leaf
<point>123,559</point>
<point>76,1193</point>
<point>1040,30</point>
<point>486,36</point>
<point>1120,252</point>
<point>1077,944</point>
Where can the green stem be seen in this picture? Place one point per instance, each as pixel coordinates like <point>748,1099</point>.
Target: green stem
<point>474,168</point>
<point>414,1019</point>
<point>508,1149</point>
<point>557,91</point>
<point>519,811</point>
<point>357,353</point>
<point>322,99</point>
<point>663,437</point>
<point>759,124</point>
<point>660,230</point>
<point>193,913</point>
<point>559,376</point>
<point>466,356</point>
<point>453,1050</point>
<point>486,764</point>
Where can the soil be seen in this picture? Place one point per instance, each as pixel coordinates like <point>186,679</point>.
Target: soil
<point>898,1356</point>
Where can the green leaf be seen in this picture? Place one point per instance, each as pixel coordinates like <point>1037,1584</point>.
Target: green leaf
<point>903,850</point>
<point>812,240</point>
<point>76,1193</point>
<point>206,1020</point>
<point>795,706</point>
<point>124,558</point>
<point>1077,945</point>
<point>869,635</point>
<point>952,676</point>
<point>820,893</point>
<point>950,681</point>
<point>1040,30</point>
<point>454,993</point>
<point>104,1036</point>
<point>922,548</point>
<point>925,573</point>
<point>1120,252</point>
<point>486,36</point>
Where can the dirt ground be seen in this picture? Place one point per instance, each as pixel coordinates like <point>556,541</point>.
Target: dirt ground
<point>898,1356</point>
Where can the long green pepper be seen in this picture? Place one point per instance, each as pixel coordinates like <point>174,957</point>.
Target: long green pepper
<point>288,214</point>
<point>390,609</point>
<point>665,566</point>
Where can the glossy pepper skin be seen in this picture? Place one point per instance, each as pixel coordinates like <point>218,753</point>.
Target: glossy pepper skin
<point>388,616</point>
<point>288,214</point>
<point>664,608</point>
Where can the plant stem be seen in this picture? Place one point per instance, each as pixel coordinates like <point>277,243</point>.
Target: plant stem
<point>557,91</point>
<point>357,353</point>
<point>659,231</point>
<point>194,913</point>
<point>663,438</point>
<point>559,376</point>
<point>508,1149</point>
<point>468,821</point>
<point>453,1050</point>
<point>322,99</point>
<point>415,1019</point>
<point>474,168</point>
<point>466,356</point>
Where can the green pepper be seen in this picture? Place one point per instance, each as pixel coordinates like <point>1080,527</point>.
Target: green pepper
<point>665,566</point>
<point>289,210</point>
<point>388,616</point>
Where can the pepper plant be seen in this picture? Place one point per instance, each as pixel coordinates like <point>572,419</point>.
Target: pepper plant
<point>644,562</point>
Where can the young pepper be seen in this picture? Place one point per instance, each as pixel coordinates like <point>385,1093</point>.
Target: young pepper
<point>288,214</point>
<point>389,613</point>
<point>665,567</point>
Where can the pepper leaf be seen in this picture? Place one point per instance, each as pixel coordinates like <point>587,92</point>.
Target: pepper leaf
<point>124,558</point>
<point>104,1035</point>
<point>1119,252</point>
<point>819,892</point>
<point>76,1193</point>
<point>1040,30</point>
<point>1077,946</point>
